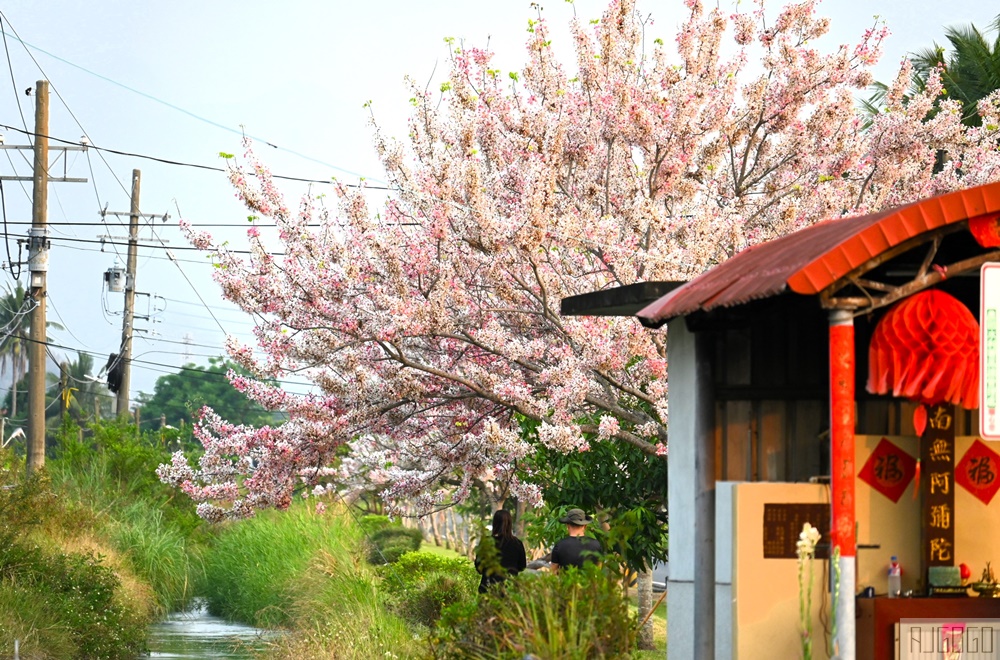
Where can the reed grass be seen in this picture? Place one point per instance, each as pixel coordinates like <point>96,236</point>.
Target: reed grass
<point>250,566</point>
<point>159,553</point>
<point>306,572</point>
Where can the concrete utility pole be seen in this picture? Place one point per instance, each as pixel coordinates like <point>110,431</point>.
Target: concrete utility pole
<point>125,355</point>
<point>38,257</point>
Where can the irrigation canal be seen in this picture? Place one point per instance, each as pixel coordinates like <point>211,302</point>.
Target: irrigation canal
<point>197,634</point>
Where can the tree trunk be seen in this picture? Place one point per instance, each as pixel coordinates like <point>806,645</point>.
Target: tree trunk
<point>444,529</point>
<point>434,530</point>
<point>645,590</point>
<point>519,519</point>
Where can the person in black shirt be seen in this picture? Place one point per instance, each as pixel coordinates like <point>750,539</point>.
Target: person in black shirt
<point>576,549</point>
<point>510,553</point>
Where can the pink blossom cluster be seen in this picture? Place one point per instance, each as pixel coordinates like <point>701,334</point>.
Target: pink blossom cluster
<point>432,326</point>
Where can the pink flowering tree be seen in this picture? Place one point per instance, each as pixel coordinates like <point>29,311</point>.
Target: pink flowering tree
<point>431,324</point>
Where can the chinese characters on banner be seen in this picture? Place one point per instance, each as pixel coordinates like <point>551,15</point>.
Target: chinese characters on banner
<point>977,471</point>
<point>937,458</point>
<point>888,470</point>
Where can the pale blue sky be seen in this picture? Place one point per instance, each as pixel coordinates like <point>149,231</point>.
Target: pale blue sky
<point>293,73</point>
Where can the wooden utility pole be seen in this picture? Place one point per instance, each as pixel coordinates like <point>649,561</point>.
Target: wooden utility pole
<point>38,256</point>
<point>38,265</point>
<point>125,355</point>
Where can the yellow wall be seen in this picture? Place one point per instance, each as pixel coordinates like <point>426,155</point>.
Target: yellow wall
<point>895,527</point>
<point>766,591</point>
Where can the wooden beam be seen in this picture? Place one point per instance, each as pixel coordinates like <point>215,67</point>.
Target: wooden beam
<point>865,304</point>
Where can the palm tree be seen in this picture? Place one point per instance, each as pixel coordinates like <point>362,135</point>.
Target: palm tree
<point>14,315</point>
<point>970,70</point>
<point>84,396</point>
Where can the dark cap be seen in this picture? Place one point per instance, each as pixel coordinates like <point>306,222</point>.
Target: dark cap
<point>576,517</point>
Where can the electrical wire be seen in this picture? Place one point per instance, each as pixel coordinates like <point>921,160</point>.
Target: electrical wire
<point>51,301</point>
<point>148,216</point>
<point>152,365</point>
<point>14,324</point>
<point>179,163</point>
<point>10,67</point>
<point>162,246</point>
<point>182,343</point>
<point>10,260</point>
<point>98,251</point>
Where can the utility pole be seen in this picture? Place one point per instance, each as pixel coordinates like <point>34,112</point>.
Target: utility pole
<point>38,257</point>
<point>120,364</point>
<point>38,266</point>
<point>125,355</point>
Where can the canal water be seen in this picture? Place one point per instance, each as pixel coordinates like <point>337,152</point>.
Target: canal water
<point>197,634</point>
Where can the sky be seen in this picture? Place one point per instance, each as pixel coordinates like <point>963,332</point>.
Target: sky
<point>183,80</point>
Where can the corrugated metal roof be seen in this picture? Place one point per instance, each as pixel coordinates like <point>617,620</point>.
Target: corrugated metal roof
<point>812,258</point>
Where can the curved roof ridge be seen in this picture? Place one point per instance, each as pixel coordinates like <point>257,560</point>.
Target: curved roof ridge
<point>812,258</point>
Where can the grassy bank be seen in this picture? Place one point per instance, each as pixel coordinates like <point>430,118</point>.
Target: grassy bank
<point>306,572</point>
<point>91,549</point>
<point>311,574</point>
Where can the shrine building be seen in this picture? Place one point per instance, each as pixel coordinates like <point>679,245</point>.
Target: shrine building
<point>831,376</point>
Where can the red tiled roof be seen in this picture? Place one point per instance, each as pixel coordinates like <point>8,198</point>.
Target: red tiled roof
<point>812,258</point>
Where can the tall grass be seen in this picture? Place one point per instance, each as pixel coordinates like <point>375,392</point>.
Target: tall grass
<point>306,572</point>
<point>111,478</point>
<point>158,552</point>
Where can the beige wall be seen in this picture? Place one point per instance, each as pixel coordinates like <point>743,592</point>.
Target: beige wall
<point>766,591</point>
<point>765,603</point>
<point>895,527</point>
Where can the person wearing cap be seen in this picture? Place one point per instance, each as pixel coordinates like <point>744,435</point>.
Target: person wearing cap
<point>577,548</point>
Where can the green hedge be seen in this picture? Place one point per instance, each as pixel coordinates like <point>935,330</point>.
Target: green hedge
<point>387,545</point>
<point>422,584</point>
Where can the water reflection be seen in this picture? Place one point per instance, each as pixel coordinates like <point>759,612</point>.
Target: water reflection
<point>197,634</point>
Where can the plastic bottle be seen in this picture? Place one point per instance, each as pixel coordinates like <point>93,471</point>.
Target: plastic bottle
<point>895,577</point>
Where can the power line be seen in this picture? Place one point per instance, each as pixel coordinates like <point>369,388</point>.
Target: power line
<point>186,261</point>
<point>240,132</point>
<point>168,249</point>
<point>148,216</point>
<point>10,67</point>
<point>197,166</point>
<point>170,368</point>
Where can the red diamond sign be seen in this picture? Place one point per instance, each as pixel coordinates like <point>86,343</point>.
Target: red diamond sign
<point>889,470</point>
<point>977,471</point>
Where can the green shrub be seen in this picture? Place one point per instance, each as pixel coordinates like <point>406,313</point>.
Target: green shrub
<point>156,531</point>
<point>387,545</point>
<point>25,616</point>
<point>75,593</point>
<point>330,598</point>
<point>24,502</point>
<point>575,614</point>
<point>371,522</point>
<point>423,584</point>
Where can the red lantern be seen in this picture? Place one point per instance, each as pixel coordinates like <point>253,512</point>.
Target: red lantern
<point>926,349</point>
<point>986,229</point>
